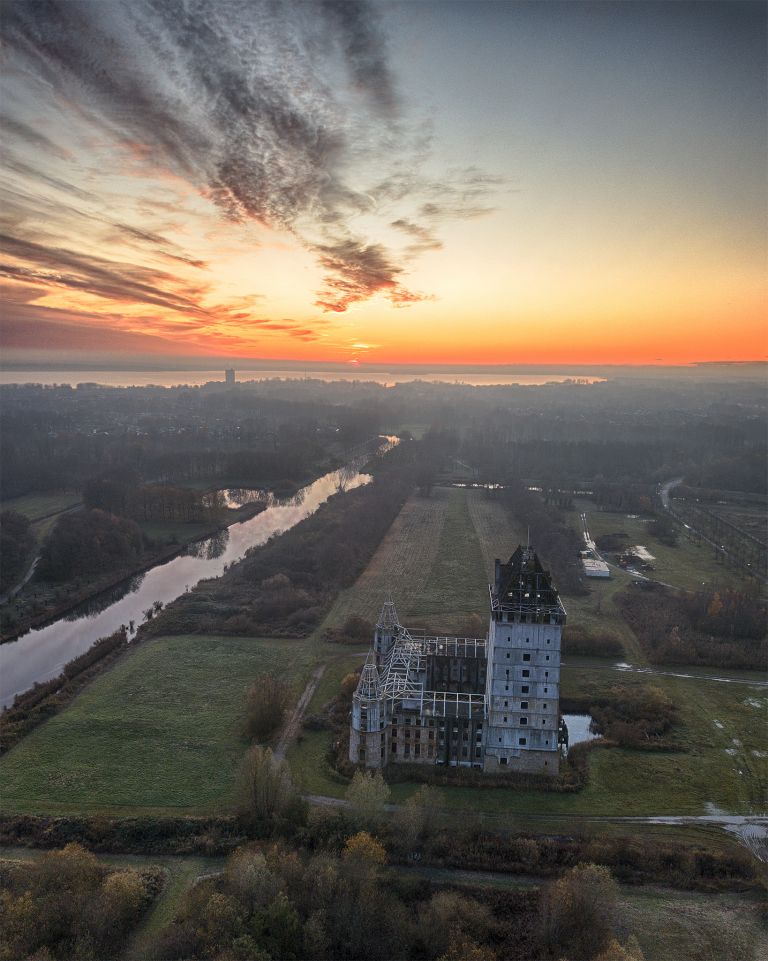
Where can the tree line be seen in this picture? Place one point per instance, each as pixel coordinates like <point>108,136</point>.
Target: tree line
<point>89,542</point>
<point>125,495</point>
<point>717,629</point>
<point>16,545</point>
<point>280,903</point>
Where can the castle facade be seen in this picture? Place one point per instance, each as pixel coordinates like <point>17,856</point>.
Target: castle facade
<point>489,703</point>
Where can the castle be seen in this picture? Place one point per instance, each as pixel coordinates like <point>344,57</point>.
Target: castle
<point>489,703</point>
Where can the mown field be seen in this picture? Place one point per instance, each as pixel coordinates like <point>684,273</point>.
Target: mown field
<point>720,766</point>
<point>43,510</point>
<point>682,926</point>
<point>436,560</point>
<point>159,733</point>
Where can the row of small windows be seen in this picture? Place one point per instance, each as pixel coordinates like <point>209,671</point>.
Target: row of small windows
<point>524,705</point>
<point>527,656</point>
<point>527,640</point>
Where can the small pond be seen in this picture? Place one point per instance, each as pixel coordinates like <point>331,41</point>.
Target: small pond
<point>579,728</point>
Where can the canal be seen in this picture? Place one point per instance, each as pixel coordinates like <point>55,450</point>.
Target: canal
<point>42,653</point>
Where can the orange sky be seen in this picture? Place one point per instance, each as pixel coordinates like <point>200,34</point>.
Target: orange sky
<point>485,184</point>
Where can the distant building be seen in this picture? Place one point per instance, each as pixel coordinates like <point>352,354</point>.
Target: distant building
<point>489,703</point>
<point>229,377</point>
<point>594,567</point>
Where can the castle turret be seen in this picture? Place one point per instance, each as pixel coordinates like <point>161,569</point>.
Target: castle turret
<point>387,630</point>
<point>523,672</point>
<point>367,728</point>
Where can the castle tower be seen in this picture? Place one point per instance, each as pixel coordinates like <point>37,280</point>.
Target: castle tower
<point>523,672</point>
<point>368,725</point>
<point>387,630</point>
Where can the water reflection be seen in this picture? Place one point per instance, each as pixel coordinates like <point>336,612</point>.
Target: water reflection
<point>41,654</point>
<point>95,605</point>
<point>579,727</point>
<point>210,548</point>
<point>235,497</point>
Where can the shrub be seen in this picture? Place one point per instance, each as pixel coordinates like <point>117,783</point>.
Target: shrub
<point>266,702</point>
<point>578,912</point>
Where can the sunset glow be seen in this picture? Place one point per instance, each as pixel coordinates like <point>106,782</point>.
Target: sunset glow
<point>457,183</point>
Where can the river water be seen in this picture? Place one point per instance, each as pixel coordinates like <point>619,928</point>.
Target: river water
<point>41,654</point>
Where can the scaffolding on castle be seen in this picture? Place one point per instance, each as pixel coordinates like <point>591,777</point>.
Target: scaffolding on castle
<point>402,674</point>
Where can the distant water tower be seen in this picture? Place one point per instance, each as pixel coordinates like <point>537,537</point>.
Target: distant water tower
<point>229,377</point>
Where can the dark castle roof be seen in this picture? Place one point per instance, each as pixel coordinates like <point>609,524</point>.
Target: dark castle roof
<point>522,583</point>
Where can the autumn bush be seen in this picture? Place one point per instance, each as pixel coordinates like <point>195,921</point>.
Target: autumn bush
<point>266,791</point>
<point>279,903</point>
<point>67,905</point>
<point>579,641</point>
<point>639,716</point>
<point>718,629</point>
<point>266,702</point>
<point>578,913</point>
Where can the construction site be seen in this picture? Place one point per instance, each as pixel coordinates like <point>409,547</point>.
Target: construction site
<point>488,703</point>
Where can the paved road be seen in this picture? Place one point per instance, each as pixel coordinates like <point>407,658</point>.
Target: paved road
<point>665,489</point>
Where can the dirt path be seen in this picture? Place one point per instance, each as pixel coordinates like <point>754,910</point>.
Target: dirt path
<point>291,727</point>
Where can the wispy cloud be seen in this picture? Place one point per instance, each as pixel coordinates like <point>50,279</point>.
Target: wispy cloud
<point>105,278</point>
<point>243,100</point>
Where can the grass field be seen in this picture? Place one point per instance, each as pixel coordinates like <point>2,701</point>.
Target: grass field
<point>436,560</point>
<point>687,926</point>
<point>42,510</point>
<point>172,532</point>
<point>159,733</point>
<point>688,565</point>
<point>36,506</point>
<point>720,766</point>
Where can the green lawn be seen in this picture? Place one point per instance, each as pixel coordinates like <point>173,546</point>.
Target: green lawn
<point>35,506</point>
<point>159,733</point>
<point>174,532</point>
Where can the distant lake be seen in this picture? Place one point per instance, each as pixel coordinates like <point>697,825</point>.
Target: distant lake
<point>196,378</point>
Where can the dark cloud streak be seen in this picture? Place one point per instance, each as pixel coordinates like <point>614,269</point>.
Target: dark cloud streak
<point>239,99</point>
